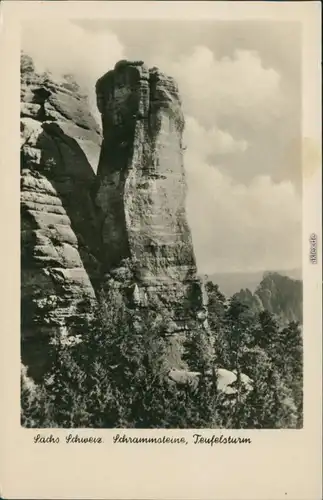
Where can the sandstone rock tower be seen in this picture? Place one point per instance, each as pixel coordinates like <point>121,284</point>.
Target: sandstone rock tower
<point>97,216</point>
<point>142,191</point>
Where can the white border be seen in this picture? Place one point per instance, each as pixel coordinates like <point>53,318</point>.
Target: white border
<point>278,464</point>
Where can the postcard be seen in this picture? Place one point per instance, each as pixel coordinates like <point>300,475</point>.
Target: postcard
<point>161,257</point>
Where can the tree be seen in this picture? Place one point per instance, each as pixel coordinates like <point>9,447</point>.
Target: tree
<point>290,363</point>
<point>216,305</point>
<point>116,376</point>
<point>267,334</point>
<point>36,409</point>
<point>240,326</point>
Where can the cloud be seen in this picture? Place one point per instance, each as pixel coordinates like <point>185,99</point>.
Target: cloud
<point>212,141</point>
<point>238,86</point>
<point>62,47</point>
<point>235,225</point>
<point>238,227</point>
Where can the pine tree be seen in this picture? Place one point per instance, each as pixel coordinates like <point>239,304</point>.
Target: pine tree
<point>117,375</point>
<point>267,334</point>
<point>217,307</point>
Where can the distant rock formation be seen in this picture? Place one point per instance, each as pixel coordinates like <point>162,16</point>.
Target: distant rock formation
<point>280,295</point>
<point>232,282</point>
<point>121,225</point>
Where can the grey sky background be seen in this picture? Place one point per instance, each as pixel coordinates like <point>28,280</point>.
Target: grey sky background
<point>240,84</point>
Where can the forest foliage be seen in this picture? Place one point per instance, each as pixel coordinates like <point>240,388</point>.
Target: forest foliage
<point>116,377</point>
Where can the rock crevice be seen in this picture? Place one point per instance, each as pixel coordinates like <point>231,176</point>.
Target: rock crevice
<point>99,214</point>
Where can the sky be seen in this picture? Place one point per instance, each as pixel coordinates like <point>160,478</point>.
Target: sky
<point>241,90</point>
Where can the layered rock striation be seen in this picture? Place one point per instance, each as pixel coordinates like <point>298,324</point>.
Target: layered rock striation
<point>108,216</point>
<point>146,241</point>
<point>60,145</point>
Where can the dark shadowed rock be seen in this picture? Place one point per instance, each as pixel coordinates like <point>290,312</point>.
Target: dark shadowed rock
<point>60,147</point>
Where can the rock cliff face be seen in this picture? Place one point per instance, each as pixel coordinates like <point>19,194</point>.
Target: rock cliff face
<point>280,295</point>
<point>121,225</point>
<point>60,145</point>
<point>141,194</point>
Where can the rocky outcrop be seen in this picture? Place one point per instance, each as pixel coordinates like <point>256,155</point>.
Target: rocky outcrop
<point>146,242</point>
<point>60,145</point>
<point>278,294</point>
<point>104,217</point>
<point>226,380</point>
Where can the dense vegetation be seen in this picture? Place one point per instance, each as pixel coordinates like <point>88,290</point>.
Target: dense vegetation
<point>116,377</point>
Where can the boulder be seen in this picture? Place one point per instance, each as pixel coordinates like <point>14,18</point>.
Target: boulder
<point>226,380</point>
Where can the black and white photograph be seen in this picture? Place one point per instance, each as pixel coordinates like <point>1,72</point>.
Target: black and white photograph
<point>161,224</point>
